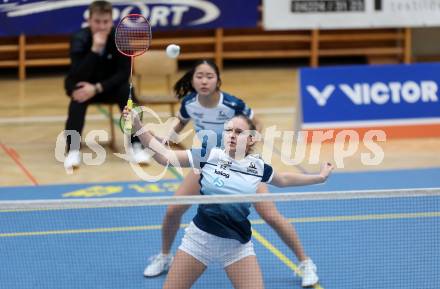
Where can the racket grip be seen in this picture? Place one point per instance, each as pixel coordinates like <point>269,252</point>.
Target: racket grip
<point>128,121</point>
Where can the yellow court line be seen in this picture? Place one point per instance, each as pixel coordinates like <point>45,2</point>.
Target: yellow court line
<point>358,217</point>
<point>79,231</point>
<point>56,209</point>
<point>254,222</point>
<point>279,255</point>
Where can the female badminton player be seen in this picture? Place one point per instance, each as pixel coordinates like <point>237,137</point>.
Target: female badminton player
<point>210,108</point>
<point>221,233</point>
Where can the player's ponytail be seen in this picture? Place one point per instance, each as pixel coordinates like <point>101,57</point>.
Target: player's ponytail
<point>183,86</point>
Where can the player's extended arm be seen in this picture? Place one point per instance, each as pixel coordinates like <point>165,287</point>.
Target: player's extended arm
<point>173,134</point>
<point>287,179</point>
<point>163,155</point>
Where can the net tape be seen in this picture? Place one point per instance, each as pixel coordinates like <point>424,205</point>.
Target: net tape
<point>26,205</point>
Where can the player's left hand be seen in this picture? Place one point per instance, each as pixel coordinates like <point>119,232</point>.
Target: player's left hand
<point>131,112</point>
<point>326,169</point>
<point>126,112</point>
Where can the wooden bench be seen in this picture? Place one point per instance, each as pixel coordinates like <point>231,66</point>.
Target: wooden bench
<point>9,52</point>
<point>386,45</point>
<point>392,45</point>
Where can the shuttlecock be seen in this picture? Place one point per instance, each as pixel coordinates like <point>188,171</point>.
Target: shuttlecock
<point>173,50</point>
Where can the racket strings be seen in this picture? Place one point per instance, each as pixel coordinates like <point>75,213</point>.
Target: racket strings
<point>132,38</point>
<point>133,35</point>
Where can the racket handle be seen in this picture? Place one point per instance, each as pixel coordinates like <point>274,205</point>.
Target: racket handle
<point>128,121</point>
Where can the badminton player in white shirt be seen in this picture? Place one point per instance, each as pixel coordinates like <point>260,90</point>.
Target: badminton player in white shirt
<point>221,233</point>
<point>210,108</point>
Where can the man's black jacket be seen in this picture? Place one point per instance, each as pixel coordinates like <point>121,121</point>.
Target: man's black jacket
<point>111,68</point>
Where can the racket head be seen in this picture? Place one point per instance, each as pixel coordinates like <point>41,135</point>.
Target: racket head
<point>133,35</point>
<point>122,121</point>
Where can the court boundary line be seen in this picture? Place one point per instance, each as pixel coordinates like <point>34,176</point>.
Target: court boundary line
<point>12,153</point>
<point>283,258</point>
<point>103,116</point>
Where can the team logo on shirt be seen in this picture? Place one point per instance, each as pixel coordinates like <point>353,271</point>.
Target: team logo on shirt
<point>221,173</point>
<point>198,114</point>
<point>218,182</point>
<point>222,115</point>
<point>224,165</point>
<point>252,168</point>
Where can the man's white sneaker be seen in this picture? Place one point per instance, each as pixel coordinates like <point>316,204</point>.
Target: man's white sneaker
<point>159,264</point>
<point>72,160</point>
<point>140,155</point>
<point>308,270</point>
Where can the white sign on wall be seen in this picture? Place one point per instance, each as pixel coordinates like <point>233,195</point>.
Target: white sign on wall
<point>332,14</point>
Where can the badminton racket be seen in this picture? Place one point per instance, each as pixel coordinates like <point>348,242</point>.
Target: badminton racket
<point>132,38</point>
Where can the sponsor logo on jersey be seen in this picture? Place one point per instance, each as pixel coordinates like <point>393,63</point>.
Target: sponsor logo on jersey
<point>252,168</point>
<point>218,182</point>
<point>198,114</point>
<point>222,115</point>
<point>224,164</point>
<point>221,173</point>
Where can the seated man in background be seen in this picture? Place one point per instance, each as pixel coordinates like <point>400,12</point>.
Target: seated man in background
<point>98,74</point>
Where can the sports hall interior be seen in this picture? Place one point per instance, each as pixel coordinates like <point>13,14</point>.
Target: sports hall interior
<point>261,67</point>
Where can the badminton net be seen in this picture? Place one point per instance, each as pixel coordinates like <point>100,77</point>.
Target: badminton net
<point>357,239</point>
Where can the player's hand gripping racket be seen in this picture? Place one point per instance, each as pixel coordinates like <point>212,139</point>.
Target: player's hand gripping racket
<point>132,38</point>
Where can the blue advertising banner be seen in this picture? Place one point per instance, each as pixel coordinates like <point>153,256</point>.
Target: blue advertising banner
<point>375,95</point>
<point>37,17</point>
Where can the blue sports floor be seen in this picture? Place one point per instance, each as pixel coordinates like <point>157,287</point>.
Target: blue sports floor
<point>367,243</point>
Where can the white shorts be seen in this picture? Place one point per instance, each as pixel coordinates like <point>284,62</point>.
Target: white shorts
<point>208,248</point>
